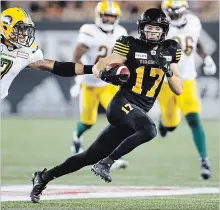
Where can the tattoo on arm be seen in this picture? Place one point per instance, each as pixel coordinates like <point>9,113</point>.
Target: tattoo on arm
<point>43,65</point>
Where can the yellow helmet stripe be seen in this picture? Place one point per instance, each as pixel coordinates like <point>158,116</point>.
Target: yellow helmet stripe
<point>28,17</point>
<point>108,7</point>
<point>25,13</point>
<point>169,3</point>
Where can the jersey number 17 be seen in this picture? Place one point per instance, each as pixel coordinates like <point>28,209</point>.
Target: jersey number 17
<point>139,80</point>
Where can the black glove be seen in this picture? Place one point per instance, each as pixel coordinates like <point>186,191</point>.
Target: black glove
<point>164,65</point>
<point>112,77</point>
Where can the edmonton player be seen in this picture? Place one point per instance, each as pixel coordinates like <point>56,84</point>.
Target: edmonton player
<point>18,50</point>
<point>185,28</point>
<point>96,41</point>
<point>149,59</point>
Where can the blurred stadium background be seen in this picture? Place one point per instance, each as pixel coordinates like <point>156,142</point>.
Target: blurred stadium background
<point>57,25</point>
<point>40,109</point>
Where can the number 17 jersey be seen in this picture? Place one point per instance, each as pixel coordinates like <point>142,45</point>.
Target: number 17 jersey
<point>146,77</point>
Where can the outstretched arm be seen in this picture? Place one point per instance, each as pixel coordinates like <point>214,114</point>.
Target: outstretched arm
<point>65,69</point>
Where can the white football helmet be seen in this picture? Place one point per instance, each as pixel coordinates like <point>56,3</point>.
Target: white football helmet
<point>175,11</point>
<point>107,8</point>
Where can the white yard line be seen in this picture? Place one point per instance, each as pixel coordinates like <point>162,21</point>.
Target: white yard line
<point>56,192</point>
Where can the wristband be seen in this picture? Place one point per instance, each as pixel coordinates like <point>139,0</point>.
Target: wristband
<point>65,69</point>
<point>88,69</point>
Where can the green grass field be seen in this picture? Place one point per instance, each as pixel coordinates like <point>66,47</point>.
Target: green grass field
<point>202,202</point>
<point>32,144</point>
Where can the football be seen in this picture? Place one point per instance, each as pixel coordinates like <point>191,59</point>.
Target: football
<point>121,70</point>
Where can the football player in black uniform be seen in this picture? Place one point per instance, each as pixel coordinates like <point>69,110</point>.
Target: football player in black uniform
<point>149,59</point>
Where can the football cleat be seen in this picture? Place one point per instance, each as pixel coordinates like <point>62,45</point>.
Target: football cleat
<point>76,146</point>
<point>38,186</point>
<point>162,129</point>
<point>119,164</point>
<point>205,168</point>
<point>103,170</point>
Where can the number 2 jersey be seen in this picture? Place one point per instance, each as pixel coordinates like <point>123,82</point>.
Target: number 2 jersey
<point>100,45</point>
<point>13,61</point>
<point>187,36</point>
<point>146,77</point>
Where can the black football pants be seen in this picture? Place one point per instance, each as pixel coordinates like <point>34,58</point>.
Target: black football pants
<point>129,127</point>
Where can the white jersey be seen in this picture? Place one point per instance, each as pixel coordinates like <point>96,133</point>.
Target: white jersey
<point>13,61</point>
<point>187,36</point>
<point>100,45</point>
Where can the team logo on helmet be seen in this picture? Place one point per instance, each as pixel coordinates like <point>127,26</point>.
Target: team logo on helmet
<point>7,20</point>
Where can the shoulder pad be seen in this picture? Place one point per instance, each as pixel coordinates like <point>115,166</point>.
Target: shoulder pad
<point>172,44</point>
<point>126,40</point>
<point>122,45</point>
<point>87,29</point>
<point>34,47</point>
<point>121,30</point>
<point>119,27</point>
<point>192,17</point>
<point>173,48</point>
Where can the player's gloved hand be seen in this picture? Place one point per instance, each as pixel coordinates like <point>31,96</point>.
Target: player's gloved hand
<point>164,65</point>
<point>111,76</point>
<point>209,66</point>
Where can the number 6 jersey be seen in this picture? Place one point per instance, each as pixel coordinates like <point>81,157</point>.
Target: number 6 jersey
<point>13,61</point>
<point>100,45</point>
<point>187,36</point>
<point>146,77</point>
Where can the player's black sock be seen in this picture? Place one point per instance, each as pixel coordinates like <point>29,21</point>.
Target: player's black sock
<point>72,164</point>
<point>105,143</point>
<point>133,141</point>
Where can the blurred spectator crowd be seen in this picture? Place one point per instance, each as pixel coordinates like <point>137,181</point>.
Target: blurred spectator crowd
<point>83,10</point>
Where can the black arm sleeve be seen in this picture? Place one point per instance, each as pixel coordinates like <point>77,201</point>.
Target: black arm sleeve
<point>67,69</point>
